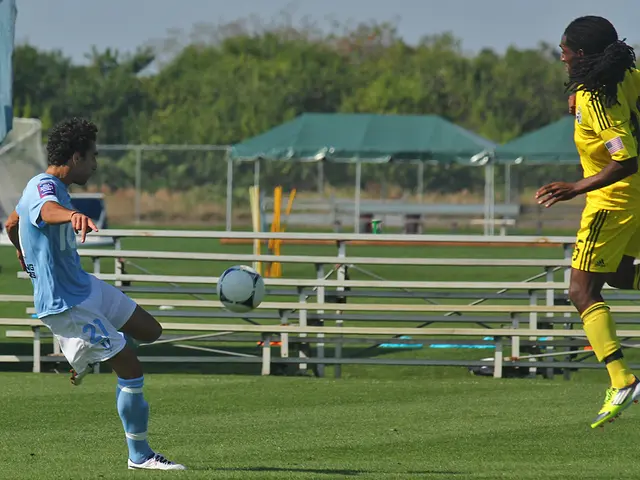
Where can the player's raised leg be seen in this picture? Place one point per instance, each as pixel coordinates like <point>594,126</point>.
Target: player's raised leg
<point>142,326</point>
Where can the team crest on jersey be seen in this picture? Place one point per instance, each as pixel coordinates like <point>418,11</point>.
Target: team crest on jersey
<point>46,189</point>
<point>579,115</point>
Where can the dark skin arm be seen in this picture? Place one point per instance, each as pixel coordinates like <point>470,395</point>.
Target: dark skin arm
<point>55,214</point>
<point>562,191</point>
<point>12,229</point>
<point>11,226</point>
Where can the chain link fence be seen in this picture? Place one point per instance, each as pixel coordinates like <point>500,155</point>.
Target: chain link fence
<point>187,184</point>
<point>161,183</point>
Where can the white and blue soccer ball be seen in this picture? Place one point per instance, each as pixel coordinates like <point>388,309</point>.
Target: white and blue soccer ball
<point>240,289</point>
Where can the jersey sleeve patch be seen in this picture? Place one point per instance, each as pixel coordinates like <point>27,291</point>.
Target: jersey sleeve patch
<point>614,145</point>
<point>47,189</point>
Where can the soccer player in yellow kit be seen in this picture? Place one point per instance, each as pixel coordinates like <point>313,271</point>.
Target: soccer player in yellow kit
<point>606,85</point>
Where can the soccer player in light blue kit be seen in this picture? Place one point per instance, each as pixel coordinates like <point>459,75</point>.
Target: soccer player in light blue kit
<point>86,315</point>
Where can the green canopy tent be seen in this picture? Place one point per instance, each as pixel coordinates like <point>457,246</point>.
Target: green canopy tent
<point>358,138</point>
<point>552,144</point>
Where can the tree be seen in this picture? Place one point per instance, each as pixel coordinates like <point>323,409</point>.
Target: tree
<point>227,83</point>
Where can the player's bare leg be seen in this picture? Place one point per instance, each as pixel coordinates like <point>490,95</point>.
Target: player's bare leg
<point>585,288</point>
<point>627,277</point>
<point>142,326</point>
<point>585,294</point>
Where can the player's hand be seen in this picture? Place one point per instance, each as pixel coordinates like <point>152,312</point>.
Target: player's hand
<point>572,104</point>
<point>21,260</point>
<point>82,224</point>
<point>556,192</point>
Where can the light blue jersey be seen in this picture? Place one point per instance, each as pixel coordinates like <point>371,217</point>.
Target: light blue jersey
<point>59,282</point>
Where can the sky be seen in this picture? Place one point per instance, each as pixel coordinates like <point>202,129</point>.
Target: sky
<point>74,26</point>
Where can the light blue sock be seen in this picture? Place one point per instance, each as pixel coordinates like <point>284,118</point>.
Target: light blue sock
<point>134,413</point>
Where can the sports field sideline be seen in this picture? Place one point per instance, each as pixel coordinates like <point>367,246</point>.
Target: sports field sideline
<point>375,422</point>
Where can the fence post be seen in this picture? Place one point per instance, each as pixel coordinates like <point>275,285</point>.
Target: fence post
<point>229,192</point>
<point>421,181</point>
<point>138,194</point>
<point>321,178</point>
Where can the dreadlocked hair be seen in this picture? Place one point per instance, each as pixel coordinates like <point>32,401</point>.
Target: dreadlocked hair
<point>605,62</point>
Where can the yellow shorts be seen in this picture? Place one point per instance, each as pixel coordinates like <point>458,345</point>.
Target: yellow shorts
<point>604,237</point>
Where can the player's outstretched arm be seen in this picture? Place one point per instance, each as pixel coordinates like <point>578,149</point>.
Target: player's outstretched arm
<point>55,214</point>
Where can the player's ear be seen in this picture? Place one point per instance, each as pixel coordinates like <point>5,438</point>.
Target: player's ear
<point>75,159</point>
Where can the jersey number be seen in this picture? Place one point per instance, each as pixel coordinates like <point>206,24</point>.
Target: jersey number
<point>103,339</point>
<point>67,238</point>
<point>576,250</point>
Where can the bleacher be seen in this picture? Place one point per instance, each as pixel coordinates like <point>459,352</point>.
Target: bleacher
<point>305,317</point>
<point>411,217</point>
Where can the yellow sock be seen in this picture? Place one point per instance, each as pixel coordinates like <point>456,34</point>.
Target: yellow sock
<point>601,332</point>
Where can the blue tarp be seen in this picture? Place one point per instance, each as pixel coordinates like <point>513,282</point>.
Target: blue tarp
<point>8,15</point>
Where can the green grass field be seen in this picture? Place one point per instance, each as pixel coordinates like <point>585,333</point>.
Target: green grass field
<point>301,428</point>
<point>374,422</point>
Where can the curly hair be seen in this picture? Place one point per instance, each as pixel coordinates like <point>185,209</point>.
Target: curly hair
<point>68,137</point>
<point>605,62</point>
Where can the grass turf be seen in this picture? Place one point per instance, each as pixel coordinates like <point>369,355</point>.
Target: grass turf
<point>300,428</point>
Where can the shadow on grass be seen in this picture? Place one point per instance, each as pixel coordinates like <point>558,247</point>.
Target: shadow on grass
<point>327,471</point>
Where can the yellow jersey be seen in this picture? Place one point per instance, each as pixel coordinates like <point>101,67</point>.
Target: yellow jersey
<point>606,134</point>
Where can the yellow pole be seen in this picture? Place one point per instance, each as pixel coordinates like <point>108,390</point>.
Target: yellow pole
<point>254,198</point>
<point>292,195</point>
<point>277,209</point>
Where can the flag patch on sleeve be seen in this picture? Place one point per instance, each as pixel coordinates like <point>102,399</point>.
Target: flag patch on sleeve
<point>46,189</point>
<point>614,145</point>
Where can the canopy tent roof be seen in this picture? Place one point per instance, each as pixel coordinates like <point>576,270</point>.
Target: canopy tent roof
<point>552,144</point>
<point>352,137</point>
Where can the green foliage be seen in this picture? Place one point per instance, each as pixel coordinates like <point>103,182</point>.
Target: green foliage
<point>232,82</point>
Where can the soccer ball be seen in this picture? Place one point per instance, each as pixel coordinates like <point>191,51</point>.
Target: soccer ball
<point>240,289</point>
